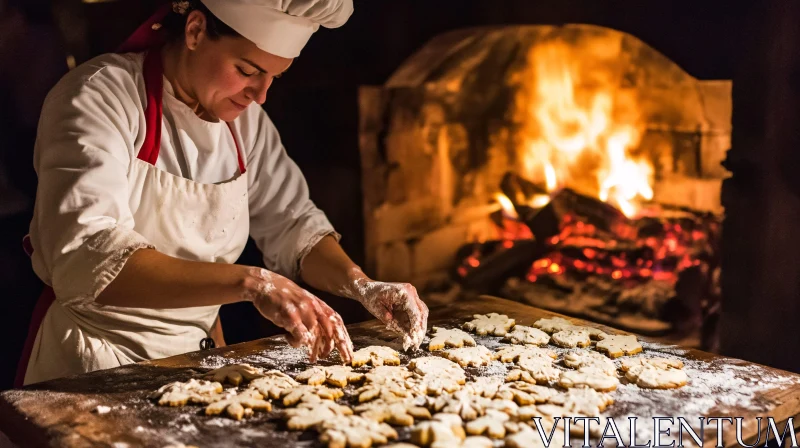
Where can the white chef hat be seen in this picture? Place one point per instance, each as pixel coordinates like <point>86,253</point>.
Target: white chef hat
<point>280,27</point>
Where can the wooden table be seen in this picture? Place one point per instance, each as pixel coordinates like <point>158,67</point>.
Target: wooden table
<point>62,412</point>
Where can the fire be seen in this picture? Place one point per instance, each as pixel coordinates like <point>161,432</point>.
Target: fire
<point>579,128</point>
<point>506,205</point>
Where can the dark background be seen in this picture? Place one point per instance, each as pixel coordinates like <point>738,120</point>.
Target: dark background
<point>315,104</point>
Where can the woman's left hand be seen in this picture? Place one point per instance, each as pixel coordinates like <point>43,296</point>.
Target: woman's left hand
<point>397,305</point>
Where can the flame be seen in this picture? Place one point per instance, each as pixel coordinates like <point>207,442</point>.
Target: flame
<point>550,177</point>
<point>579,128</point>
<point>506,205</point>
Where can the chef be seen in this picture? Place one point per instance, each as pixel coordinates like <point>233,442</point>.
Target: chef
<point>154,165</point>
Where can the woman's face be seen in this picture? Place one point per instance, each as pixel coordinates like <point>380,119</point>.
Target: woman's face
<point>227,74</point>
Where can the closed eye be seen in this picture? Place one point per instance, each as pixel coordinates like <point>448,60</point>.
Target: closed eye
<point>244,73</point>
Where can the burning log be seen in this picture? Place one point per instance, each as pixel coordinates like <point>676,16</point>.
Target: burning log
<point>487,266</point>
<point>566,206</point>
<point>519,190</point>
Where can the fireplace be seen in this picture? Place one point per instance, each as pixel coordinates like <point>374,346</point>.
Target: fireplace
<point>574,168</point>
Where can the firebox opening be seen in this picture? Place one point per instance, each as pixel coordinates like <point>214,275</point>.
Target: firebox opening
<point>573,168</point>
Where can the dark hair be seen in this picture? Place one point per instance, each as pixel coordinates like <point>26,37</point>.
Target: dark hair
<point>174,24</point>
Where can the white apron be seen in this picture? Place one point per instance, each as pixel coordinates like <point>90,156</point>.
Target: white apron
<point>181,218</point>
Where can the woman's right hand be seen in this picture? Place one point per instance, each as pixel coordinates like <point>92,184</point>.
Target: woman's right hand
<point>309,321</point>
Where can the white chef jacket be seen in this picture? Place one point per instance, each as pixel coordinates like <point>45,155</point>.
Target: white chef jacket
<point>91,129</point>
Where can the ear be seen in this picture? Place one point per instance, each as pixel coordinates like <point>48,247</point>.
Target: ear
<point>195,30</point>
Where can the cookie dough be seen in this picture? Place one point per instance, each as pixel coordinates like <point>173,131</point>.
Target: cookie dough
<point>651,377</point>
<point>311,413</point>
<point>553,324</point>
<point>470,356</point>
<point>240,405</point>
<point>583,401</point>
<point>491,324</point>
<point>274,384</point>
<point>192,391</point>
<point>524,393</point>
<point>585,358</point>
<point>400,413</point>
<point>376,355</point>
<point>444,430</point>
<point>588,377</point>
<point>619,345</point>
<point>484,386</point>
<point>514,352</point>
<point>453,337</point>
<point>354,431</point>
<point>436,366</point>
<point>493,424</point>
<point>540,368</point>
<point>661,363</point>
<point>462,403</point>
<point>338,376</point>
<point>527,336</point>
<point>310,393</point>
<point>234,374</point>
<point>571,338</point>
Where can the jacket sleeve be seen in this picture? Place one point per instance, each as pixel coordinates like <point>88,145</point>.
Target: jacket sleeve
<point>284,222</point>
<point>82,229</point>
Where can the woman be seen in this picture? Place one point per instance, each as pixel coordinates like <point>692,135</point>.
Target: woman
<point>153,169</point>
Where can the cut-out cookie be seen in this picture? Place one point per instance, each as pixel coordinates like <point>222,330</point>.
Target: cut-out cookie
<point>528,437</point>
<point>588,377</point>
<point>470,356</point>
<point>514,352</point>
<point>310,393</point>
<point>462,403</point>
<point>401,413</point>
<point>484,386</point>
<point>493,424</point>
<point>437,385</point>
<point>274,384</point>
<point>619,345</point>
<point>540,368</point>
<point>527,336</point>
<point>234,374</point>
<point>452,337</point>
<point>492,324</point>
<point>192,391</point>
<point>309,414</point>
<point>524,393</point>
<point>576,360</point>
<point>594,333</point>
<point>443,430</point>
<point>499,404</point>
<point>660,363</point>
<point>239,405</point>
<point>553,325</point>
<point>384,374</point>
<point>354,431</point>
<point>434,366</point>
<point>583,401</point>
<point>387,391</point>
<point>376,355</point>
<point>338,376</point>
<point>651,377</point>
<point>571,338</point>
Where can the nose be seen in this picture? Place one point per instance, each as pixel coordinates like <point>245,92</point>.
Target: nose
<point>258,91</point>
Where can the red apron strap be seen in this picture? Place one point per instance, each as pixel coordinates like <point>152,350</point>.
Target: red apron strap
<point>239,158</point>
<point>154,90</point>
<point>46,299</point>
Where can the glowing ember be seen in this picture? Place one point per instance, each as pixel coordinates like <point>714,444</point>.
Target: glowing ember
<point>578,127</point>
